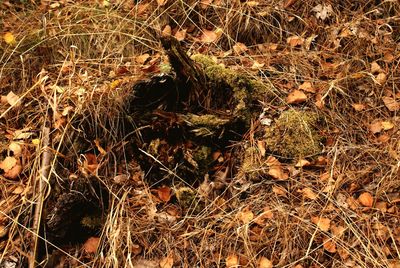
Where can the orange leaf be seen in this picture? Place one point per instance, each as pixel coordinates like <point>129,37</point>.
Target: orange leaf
<point>294,41</point>
<point>167,262</point>
<point>264,263</point>
<point>91,244</point>
<point>9,38</point>
<point>376,127</point>
<point>323,223</point>
<point>380,79</point>
<point>296,96</point>
<point>166,31</point>
<point>161,2</point>
<point>309,193</point>
<point>14,172</point>
<point>141,59</point>
<point>232,261</point>
<point>180,35</point>
<point>366,199</point>
<point>391,104</point>
<point>358,106</point>
<point>308,87</point>
<point>8,163</point>
<point>90,162</point>
<point>246,215</point>
<point>164,193</point>
<point>329,245</point>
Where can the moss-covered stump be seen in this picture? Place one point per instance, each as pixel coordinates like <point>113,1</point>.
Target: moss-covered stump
<point>294,134</point>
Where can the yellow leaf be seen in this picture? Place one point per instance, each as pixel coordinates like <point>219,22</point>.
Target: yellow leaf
<point>9,38</point>
<point>8,163</point>
<point>366,199</point>
<point>252,3</point>
<point>36,141</point>
<point>323,224</point>
<point>386,125</point>
<point>232,261</point>
<point>15,148</point>
<point>264,263</point>
<point>246,216</point>
<point>12,99</point>
<point>380,79</point>
<point>296,96</point>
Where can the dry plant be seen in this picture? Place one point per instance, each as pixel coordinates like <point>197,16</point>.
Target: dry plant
<point>71,68</point>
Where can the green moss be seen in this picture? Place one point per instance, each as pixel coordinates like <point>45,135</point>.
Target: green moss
<point>245,89</point>
<point>250,167</point>
<point>92,221</point>
<point>189,200</point>
<point>294,134</point>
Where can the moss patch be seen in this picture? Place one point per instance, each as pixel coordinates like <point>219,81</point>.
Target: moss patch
<point>294,134</point>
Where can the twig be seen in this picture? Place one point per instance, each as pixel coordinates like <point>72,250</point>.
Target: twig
<point>43,182</point>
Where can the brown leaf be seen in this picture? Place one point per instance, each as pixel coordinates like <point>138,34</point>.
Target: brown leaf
<point>167,31</point>
<point>278,190</point>
<point>14,172</point>
<point>275,169</point>
<point>180,35</point>
<point>303,163</point>
<point>366,199</point>
<point>141,59</point>
<point>294,41</point>
<point>205,3</point>
<point>376,127</point>
<point>358,106</point>
<point>375,68</point>
<point>209,36</point>
<point>240,48</point>
<point>261,147</point>
<point>8,163</point>
<point>296,96</point>
<point>391,104</point>
<point>232,261</point>
<point>323,223</point>
<point>329,245</point>
<point>309,193</point>
<point>307,87</point>
<point>263,262</point>
<point>380,79</point>
<point>90,163</point>
<point>167,262</point>
<point>164,193</point>
<point>91,245</point>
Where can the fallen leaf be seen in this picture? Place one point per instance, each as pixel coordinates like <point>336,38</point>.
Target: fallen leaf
<point>15,148</point>
<point>90,162</point>
<point>323,223</point>
<point>91,245</point>
<point>294,41</point>
<point>391,104</point>
<point>308,87</point>
<point>167,31</point>
<point>296,96</point>
<point>205,3</point>
<point>329,245</point>
<point>239,48</point>
<point>161,2</point>
<point>376,127</point>
<point>338,231</point>
<point>246,216</point>
<point>358,106</point>
<point>164,193</point>
<point>380,79</point>
<point>278,190</point>
<point>9,38</point>
<point>366,199</point>
<point>167,262</point>
<point>309,193</point>
<point>8,163</point>
<point>261,147</point>
<point>256,65</point>
<point>387,125</point>
<point>275,169</point>
<point>383,138</point>
<point>141,59</point>
<point>323,11</point>
<point>375,68</point>
<point>12,99</point>
<point>121,179</point>
<point>210,36</point>
<point>14,172</point>
<point>252,3</point>
<point>180,35</point>
<point>232,261</point>
<point>263,262</point>
<point>303,163</point>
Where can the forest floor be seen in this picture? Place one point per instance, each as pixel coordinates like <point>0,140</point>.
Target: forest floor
<point>275,144</point>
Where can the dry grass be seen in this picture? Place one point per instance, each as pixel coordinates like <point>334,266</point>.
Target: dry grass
<point>74,67</point>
